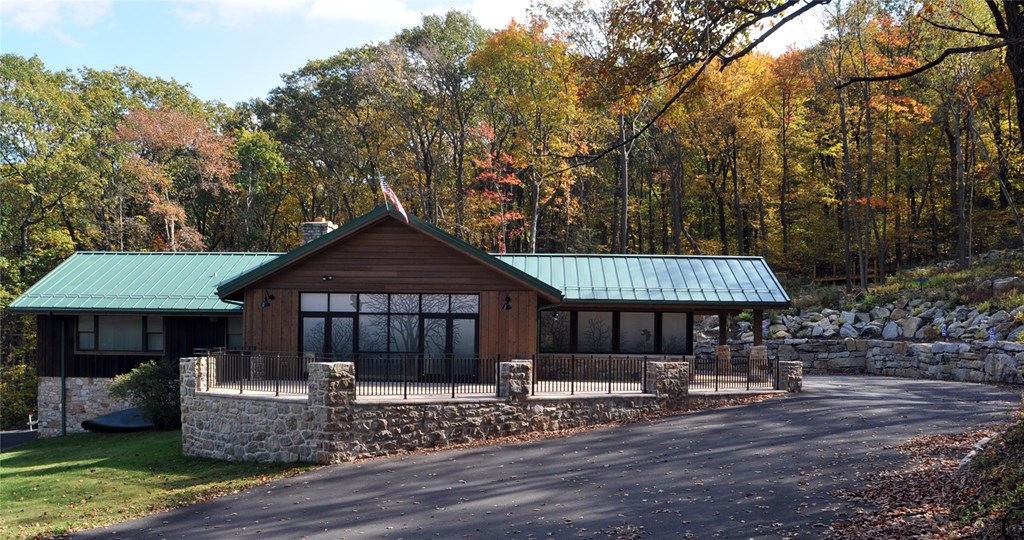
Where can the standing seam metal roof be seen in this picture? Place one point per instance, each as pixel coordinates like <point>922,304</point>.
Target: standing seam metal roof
<point>132,281</point>
<point>188,282</point>
<point>689,280</point>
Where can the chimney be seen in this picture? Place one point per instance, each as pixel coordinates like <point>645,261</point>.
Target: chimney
<point>311,230</point>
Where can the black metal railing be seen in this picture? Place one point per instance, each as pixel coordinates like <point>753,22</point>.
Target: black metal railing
<point>708,373</point>
<point>257,371</point>
<point>424,375</point>
<point>377,374</point>
<point>585,373</point>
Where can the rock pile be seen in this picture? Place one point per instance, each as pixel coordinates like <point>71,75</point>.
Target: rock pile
<point>905,319</point>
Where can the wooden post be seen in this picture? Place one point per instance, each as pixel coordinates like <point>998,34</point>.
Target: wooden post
<point>723,327</point>
<point>758,323</point>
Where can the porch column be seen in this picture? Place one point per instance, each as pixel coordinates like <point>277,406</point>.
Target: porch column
<point>758,324</point>
<point>723,354</point>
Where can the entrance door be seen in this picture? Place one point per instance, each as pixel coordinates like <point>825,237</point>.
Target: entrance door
<point>448,339</point>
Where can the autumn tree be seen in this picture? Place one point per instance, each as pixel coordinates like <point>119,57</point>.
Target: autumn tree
<point>176,158</point>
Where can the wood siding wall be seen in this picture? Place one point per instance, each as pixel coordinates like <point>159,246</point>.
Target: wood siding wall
<point>389,257</point>
<point>508,333</point>
<point>182,335</point>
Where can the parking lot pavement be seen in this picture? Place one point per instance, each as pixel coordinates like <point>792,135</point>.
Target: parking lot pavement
<point>758,471</point>
<point>10,439</point>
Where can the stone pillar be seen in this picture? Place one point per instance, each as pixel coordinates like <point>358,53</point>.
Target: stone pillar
<point>514,379</point>
<point>669,382</point>
<point>723,359</point>
<point>791,376</point>
<point>757,363</point>
<point>332,390</point>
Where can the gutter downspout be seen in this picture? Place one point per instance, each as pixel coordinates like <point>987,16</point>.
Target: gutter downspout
<point>63,379</point>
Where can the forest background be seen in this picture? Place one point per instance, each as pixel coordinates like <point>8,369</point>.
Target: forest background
<point>640,127</point>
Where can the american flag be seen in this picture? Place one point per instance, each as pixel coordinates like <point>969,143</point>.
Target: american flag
<point>389,195</point>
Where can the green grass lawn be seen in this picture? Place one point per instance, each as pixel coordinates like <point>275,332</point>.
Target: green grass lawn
<point>54,486</point>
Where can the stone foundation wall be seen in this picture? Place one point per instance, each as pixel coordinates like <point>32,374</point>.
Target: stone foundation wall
<point>994,362</point>
<point>331,426</point>
<point>86,397</point>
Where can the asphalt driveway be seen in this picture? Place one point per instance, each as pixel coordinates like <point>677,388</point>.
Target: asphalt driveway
<point>757,471</point>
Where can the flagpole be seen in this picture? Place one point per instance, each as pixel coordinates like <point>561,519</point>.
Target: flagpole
<point>386,205</point>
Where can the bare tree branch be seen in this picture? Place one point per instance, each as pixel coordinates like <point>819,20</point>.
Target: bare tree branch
<point>925,67</point>
<point>998,16</point>
<point>939,25</point>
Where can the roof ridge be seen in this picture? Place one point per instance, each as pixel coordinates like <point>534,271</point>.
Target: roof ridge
<point>94,252</point>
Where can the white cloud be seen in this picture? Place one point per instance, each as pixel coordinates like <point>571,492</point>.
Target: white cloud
<point>37,15</point>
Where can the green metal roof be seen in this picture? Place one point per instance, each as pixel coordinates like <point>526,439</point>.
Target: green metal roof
<point>138,282</point>
<point>684,280</point>
<point>233,286</point>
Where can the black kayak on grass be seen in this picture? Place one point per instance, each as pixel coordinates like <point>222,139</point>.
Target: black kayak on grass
<point>128,420</point>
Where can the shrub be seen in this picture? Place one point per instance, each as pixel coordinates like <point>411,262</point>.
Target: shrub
<point>153,387</point>
<point>18,387</point>
<point>745,316</point>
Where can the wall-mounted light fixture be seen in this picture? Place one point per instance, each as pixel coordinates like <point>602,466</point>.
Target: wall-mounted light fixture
<point>327,278</point>
<point>508,304</point>
<point>554,316</point>
<point>266,300</point>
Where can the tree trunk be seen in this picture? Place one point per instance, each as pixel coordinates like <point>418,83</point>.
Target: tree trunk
<point>623,186</point>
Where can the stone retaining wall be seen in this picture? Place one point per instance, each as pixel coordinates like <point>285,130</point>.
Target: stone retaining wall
<point>86,397</point>
<point>994,362</point>
<point>331,426</point>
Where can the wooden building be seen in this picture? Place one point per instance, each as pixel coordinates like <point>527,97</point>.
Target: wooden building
<point>378,285</point>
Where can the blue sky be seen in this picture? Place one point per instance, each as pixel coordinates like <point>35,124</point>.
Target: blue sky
<point>235,50</point>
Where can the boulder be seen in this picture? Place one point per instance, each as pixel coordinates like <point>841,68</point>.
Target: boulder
<point>879,313</point>
<point>1015,334</point>
<point>863,317</point>
<point>848,331</point>
<point>891,330</point>
<point>1005,285</point>
<point>910,325</point>
<point>849,317</point>
<point>898,313</point>
<point>872,330</point>
<point>998,317</point>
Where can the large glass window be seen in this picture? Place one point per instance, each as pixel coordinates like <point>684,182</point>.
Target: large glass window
<point>554,331</point>
<point>622,332</point>
<point>120,333</point>
<point>346,323</point>
<point>674,330</point>
<point>594,331</point>
<point>636,332</point>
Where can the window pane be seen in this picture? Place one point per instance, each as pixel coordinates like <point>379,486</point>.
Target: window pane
<point>554,333</point>
<point>154,324</point>
<point>234,341</point>
<point>405,303</point>
<point>86,341</point>
<point>435,303</point>
<point>636,332</point>
<point>674,327</point>
<point>343,302</point>
<point>313,334</point>
<point>119,333</point>
<point>341,335</point>
<point>465,303</point>
<point>373,333</point>
<point>373,303</point>
<point>313,302</point>
<point>405,333</point>
<point>235,325</point>
<point>86,323</point>
<point>435,338</point>
<point>594,333</point>
<point>464,337</point>
<point>154,342</point>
